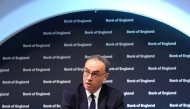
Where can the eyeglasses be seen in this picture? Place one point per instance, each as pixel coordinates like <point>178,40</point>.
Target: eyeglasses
<point>93,74</point>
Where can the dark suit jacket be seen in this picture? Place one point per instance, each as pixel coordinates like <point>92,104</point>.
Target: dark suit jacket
<point>75,98</point>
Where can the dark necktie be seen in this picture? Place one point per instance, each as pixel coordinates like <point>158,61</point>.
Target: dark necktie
<point>92,104</point>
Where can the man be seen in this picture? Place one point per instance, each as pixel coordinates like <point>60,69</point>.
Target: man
<point>93,94</point>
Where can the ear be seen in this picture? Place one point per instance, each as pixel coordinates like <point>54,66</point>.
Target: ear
<point>106,76</point>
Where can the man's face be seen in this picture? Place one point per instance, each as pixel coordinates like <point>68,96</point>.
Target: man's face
<point>94,66</point>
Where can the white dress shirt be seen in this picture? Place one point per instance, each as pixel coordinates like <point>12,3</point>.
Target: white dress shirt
<point>96,96</point>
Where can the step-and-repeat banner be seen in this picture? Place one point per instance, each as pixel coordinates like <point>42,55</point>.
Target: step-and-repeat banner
<point>149,60</point>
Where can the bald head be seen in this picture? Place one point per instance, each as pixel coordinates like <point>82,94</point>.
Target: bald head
<point>102,59</point>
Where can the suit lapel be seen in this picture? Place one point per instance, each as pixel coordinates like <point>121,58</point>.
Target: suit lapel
<point>102,97</point>
<point>83,98</point>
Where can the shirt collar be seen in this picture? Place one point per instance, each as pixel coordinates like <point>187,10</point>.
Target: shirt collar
<point>96,94</point>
